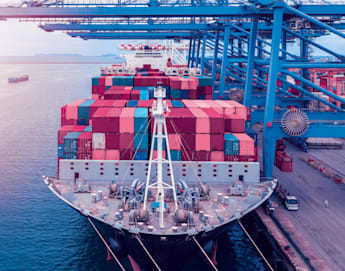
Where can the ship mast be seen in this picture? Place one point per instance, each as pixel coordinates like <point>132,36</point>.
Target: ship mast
<point>159,110</point>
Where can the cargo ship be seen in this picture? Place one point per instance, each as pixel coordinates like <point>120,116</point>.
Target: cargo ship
<point>159,167</point>
<point>18,79</point>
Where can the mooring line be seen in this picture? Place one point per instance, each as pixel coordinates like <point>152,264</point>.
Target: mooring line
<point>106,244</point>
<point>148,253</point>
<point>257,248</point>
<point>205,254</point>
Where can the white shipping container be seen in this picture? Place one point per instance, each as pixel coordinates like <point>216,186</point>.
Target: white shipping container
<point>98,141</point>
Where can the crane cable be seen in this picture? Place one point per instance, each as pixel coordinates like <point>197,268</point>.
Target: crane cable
<point>106,244</point>
<point>257,248</point>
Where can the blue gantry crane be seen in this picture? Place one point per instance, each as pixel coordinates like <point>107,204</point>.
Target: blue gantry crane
<point>262,46</point>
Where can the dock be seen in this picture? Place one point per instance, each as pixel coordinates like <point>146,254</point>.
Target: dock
<point>315,231</point>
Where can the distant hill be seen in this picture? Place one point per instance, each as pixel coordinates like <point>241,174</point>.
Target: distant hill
<point>60,58</point>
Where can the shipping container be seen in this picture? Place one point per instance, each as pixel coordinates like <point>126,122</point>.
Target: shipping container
<point>175,155</point>
<point>141,141</point>
<point>231,145</point>
<point>202,142</point>
<point>174,141</point>
<point>112,155</point>
<point>126,141</point>
<point>234,124</point>
<point>70,143</point>
<point>127,120</point>
<point>202,121</point>
<point>98,141</point>
<point>112,141</point>
<point>141,155</point>
<point>246,144</point>
<point>84,149</point>
<point>98,154</point>
<point>141,120</point>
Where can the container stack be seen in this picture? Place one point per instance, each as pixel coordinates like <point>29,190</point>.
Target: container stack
<point>116,124</point>
<point>281,159</point>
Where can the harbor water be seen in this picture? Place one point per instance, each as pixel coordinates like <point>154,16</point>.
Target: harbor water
<point>37,230</point>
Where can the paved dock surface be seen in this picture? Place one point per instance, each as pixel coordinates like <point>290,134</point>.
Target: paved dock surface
<point>335,159</point>
<point>321,227</point>
<point>317,230</point>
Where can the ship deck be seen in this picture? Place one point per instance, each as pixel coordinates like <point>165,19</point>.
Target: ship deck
<point>218,213</point>
<point>316,231</point>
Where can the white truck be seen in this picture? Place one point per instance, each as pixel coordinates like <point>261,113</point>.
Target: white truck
<point>291,203</point>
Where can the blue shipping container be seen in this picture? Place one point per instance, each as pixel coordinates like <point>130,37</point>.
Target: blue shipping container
<point>70,142</point>
<point>140,120</point>
<point>60,151</point>
<point>231,144</point>
<point>70,155</point>
<point>144,94</point>
<point>83,122</point>
<point>83,109</point>
<point>141,141</point>
<point>184,94</point>
<point>175,94</point>
<point>177,104</point>
<point>132,103</point>
<point>88,129</point>
<point>175,155</point>
<point>141,155</point>
<point>95,81</point>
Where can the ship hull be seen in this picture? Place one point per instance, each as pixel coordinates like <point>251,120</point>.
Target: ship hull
<point>170,254</point>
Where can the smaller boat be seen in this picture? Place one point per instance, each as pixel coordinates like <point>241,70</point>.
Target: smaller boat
<point>18,79</point>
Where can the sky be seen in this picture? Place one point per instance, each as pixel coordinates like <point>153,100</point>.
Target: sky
<point>26,39</point>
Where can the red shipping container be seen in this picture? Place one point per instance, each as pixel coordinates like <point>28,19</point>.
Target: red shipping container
<point>202,142</point>
<point>147,66</point>
<point>202,155</point>
<point>141,81</point>
<point>217,142</point>
<point>193,94</point>
<point>112,141</point>
<point>234,124</point>
<point>174,141</point>
<point>202,121</point>
<point>236,108</point>
<point>112,155</point>
<point>101,81</point>
<point>216,120</point>
<point>232,158</point>
<point>188,142</point>
<point>101,90</point>
<point>108,81</point>
<point>98,154</point>
<point>187,155</point>
<point>65,122</point>
<point>135,94</point>
<point>126,154</point>
<point>127,120</point>
<point>84,144</point>
<point>144,103</point>
<point>246,144</point>
<point>189,103</point>
<point>95,96</point>
<point>106,120</point>
<point>94,90</point>
<point>217,156</point>
<point>126,141</point>
<point>181,120</point>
